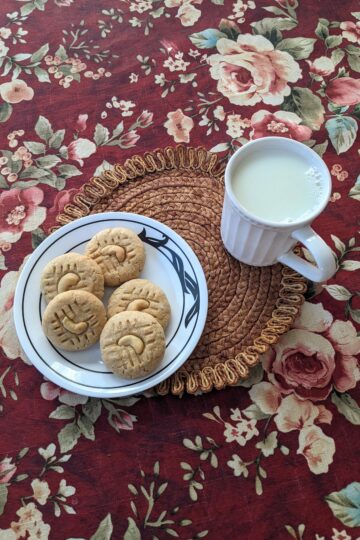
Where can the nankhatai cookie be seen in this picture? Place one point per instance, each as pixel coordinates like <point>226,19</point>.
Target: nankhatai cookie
<point>140,295</point>
<point>120,254</point>
<point>73,320</point>
<point>132,344</point>
<point>71,271</point>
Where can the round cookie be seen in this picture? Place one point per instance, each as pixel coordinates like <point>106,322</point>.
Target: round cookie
<point>132,344</point>
<point>140,295</point>
<point>73,320</point>
<point>71,271</point>
<point>120,254</point>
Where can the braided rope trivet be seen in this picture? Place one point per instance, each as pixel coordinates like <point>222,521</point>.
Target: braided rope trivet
<point>249,307</point>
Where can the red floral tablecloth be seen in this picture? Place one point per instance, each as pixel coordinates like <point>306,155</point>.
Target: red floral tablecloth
<point>86,84</point>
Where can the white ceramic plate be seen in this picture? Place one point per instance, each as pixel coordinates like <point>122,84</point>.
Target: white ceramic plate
<point>170,263</point>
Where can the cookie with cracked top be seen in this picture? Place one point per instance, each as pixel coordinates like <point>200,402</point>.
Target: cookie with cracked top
<point>71,271</point>
<point>120,254</point>
<point>73,320</point>
<point>132,344</point>
<point>140,295</point>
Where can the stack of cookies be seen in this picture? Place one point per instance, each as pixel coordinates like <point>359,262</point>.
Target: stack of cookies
<point>131,333</point>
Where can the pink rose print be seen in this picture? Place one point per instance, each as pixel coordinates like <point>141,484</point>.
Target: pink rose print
<point>344,91</point>
<point>129,139</point>
<point>310,364</point>
<point>179,126</point>
<point>16,91</point>
<point>346,343</point>
<point>296,414</point>
<point>61,200</point>
<point>145,119</point>
<point>301,362</point>
<point>81,148</point>
<point>123,420</point>
<point>351,31</point>
<point>81,122</point>
<point>20,212</point>
<point>280,124</point>
<point>251,70</point>
<point>317,448</point>
<point>187,12</point>
<point>7,470</point>
<point>323,66</point>
<point>266,396</point>
<point>50,391</point>
<point>8,339</point>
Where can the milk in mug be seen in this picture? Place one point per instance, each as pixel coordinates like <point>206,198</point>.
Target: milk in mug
<point>274,188</point>
<point>277,185</point>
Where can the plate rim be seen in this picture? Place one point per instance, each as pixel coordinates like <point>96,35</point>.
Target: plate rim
<point>72,386</point>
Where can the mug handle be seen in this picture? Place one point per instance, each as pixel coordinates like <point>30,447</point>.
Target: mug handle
<point>325,266</point>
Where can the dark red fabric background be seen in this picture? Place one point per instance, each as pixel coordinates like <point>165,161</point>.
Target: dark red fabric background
<point>227,506</point>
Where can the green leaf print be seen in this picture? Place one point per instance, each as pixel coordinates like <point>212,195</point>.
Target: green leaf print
<point>333,41</point>
<point>56,140</point>
<point>2,262</point>
<point>104,530</point>
<point>41,74</point>
<point>37,236</point>
<point>39,54</point>
<point>35,147</point>
<point>86,427</point>
<point>299,47</point>
<point>320,148</point>
<point>101,135</point>
<point>354,192</point>
<point>347,406</point>
<point>63,412</point>
<point>92,409</point>
<point>337,55</point>
<point>68,437</point>
<point>47,162</point>
<point>43,128</point>
<point>67,171</point>
<point>342,131</point>
<point>132,532</point>
<point>338,292</point>
<point>5,112</point>
<point>271,28</point>
<point>345,504</point>
<point>206,39</point>
<point>353,57</point>
<point>3,497</point>
<point>306,105</point>
<point>322,30</point>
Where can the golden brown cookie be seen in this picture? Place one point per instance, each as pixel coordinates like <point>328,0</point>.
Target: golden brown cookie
<point>140,295</point>
<point>73,320</point>
<point>120,254</point>
<point>132,344</point>
<point>71,271</point>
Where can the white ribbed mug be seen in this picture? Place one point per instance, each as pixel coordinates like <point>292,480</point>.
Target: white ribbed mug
<point>258,242</point>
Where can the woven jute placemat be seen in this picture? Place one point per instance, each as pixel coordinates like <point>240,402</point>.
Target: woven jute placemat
<point>249,307</point>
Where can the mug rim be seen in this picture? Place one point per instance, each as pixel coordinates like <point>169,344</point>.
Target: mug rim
<point>268,223</point>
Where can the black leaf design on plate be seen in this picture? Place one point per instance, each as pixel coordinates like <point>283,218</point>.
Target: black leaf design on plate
<point>154,242</point>
<point>188,284</point>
